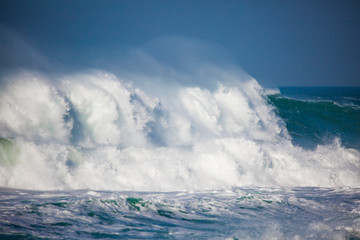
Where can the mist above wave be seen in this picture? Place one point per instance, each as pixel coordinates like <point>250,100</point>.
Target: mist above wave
<point>94,130</point>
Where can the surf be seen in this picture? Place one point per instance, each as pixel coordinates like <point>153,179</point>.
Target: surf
<point>94,130</point>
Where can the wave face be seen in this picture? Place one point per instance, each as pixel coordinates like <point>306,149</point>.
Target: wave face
<point>99,132</point>
<point>319,115</point>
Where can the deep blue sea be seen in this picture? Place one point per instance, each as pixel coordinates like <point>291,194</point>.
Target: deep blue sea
<point>91,156</point>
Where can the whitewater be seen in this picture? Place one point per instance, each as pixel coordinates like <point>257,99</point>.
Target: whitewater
<point>91,155</point>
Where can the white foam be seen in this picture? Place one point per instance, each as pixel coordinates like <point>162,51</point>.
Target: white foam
<point>95,131</point>
<point>31,108</point>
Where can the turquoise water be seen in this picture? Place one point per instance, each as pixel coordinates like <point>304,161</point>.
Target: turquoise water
<point>91,156</point>
<point>317,115</point>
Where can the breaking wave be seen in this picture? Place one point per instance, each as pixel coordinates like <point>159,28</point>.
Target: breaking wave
<point>97,131</point>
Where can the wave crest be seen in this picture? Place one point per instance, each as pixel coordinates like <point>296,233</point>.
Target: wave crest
<point>96,131</point>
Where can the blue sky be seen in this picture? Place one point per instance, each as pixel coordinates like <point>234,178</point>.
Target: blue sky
<point>280,43</point>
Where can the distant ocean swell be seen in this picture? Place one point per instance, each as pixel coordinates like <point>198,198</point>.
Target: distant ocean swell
<point>94,131</point>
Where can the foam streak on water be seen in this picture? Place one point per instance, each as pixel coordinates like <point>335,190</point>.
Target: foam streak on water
<point>232,213</point>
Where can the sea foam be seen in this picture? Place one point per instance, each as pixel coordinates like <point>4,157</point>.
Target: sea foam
<point>96,131</point>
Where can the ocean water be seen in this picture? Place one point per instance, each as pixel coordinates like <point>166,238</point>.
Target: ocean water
<point>317,115</point>
<point>93,156</point>
<point>232,213</point>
